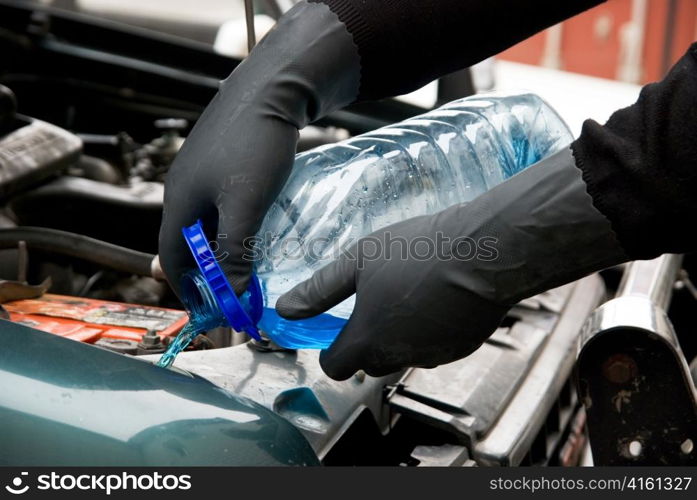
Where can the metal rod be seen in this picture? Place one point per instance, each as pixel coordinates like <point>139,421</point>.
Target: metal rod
<point>22,261</point>
<point>651,278</point>
<point>249,17</point>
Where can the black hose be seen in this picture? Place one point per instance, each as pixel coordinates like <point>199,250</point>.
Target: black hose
<point>80,247</point>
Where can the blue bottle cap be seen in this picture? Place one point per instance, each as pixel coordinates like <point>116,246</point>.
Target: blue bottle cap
<point>240,318</point>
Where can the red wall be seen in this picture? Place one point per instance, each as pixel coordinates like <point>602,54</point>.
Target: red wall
<point>584,50</point>
<point>591,41</point>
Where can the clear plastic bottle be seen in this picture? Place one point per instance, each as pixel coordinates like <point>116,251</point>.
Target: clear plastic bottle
<point>341,192</point>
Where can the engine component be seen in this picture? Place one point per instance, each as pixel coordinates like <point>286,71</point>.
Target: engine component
<point>91,167</point>
<point>509,399</point>
<point>135,290</point>
<point>81,247</point>
<point>15,290</point>
<point>633,377</point>
<point>90,320</point>
<point>151,343</point>
<point>152,161</point>
<point>122,346</point>
<point>8,107</point>
<point>95,209</point>
<point>30,150</point>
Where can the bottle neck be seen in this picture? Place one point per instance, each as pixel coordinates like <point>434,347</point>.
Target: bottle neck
<point>200,303</point>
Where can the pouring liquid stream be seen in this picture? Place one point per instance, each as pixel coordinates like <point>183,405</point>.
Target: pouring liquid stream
<point>315,332</point>
<point>180,342</point>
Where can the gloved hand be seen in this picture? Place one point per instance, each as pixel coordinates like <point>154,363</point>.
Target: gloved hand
<point>465,267</point>
<point>239,154</point>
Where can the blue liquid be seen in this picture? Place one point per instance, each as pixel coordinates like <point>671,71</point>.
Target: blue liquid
<point>311,333</point>
<point>181,341</point>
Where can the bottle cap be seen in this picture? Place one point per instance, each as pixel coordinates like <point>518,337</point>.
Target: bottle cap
<point>242,313</point>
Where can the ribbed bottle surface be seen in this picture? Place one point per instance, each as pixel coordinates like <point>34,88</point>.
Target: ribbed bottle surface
<point>341,192</point>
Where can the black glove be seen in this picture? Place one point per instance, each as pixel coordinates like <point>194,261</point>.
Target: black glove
<point>239,154</point>
<point>463,269</point>
<point>641,166</point>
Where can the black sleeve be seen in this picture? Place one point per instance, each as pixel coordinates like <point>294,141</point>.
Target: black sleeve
<point>641,166</point>
<point>405,44</point>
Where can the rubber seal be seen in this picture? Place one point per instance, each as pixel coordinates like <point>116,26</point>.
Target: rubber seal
<point>242,313</point>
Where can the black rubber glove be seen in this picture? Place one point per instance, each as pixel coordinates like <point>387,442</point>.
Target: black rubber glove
<point>441,300</point>
<point>239,154</point>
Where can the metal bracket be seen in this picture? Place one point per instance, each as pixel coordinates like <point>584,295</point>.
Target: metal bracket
<point>632,376</point>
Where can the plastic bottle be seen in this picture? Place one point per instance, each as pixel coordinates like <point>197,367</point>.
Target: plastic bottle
<point>341,192</point>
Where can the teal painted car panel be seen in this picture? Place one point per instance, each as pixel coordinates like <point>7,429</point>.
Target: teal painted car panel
<point>64,403</point>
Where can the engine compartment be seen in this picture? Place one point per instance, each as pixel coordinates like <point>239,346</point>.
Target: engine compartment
<point>113,297</point>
